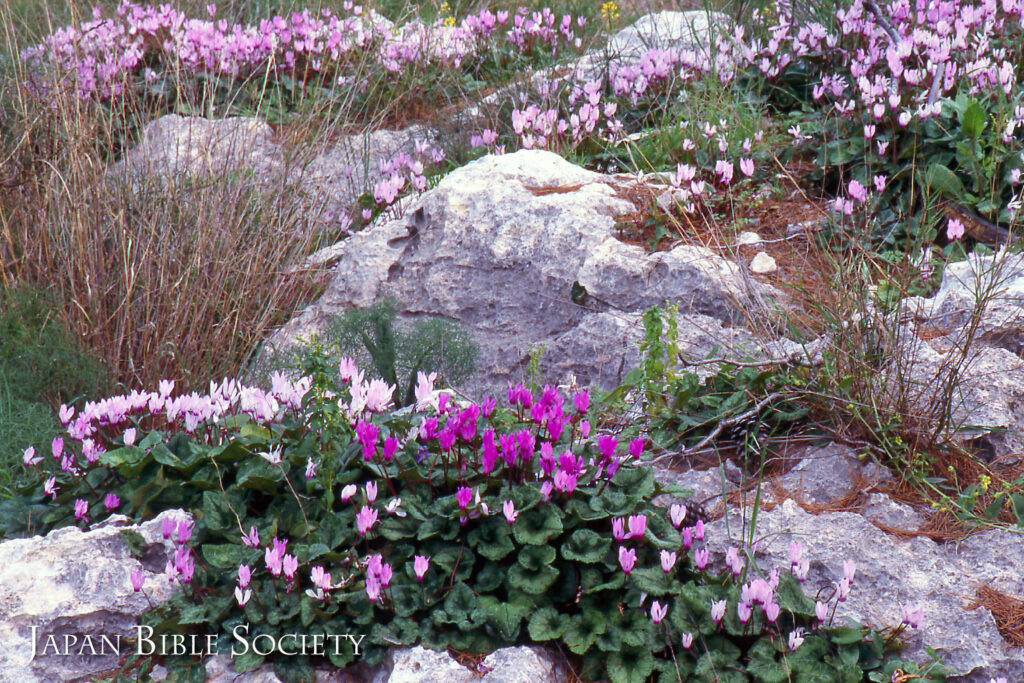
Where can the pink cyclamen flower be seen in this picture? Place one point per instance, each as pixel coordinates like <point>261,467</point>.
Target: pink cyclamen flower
<point>272,558</point>
<point>29,457</point>
<point>700,558</point>
<point>796,639</point>
<point>184,531</point>
<point>81,509</point>
<point>348,492</point>
<point>242,596</point>
<point>857,191</point>
<point>658,611</point>
<point>137,578</point>
<point>320,578</point>
<point>735,562</point>
<point>801,569</point>
<point>50,487</point>
<point>821,610</point>
<point>717,610</point>
<point>668,561</point>
<point>244,575</point>
<point>879,183</point>
<point>747,167</point>
<point>111,502</point>
<point>687,640</point>
<point>771,611</point>
<point>636,447</point>
<point>796,551</point>
<point>463,496</point>
<point>849,569</point>
<point>627,559</point>
<point>687,538</point>
<point>912,615</point>
<point>420,564</point>
<point>365,519</point>
<point>618,529</point>
<point>129,436</point>
<point>252,539</point>
<point>371,491</point>
<point>743,611</point>
<point>955,230</point>
<point>637,526</point>
<point>311,468</point>
<point>698,530</point>
<point>509,509</point>
<point>290,564</point>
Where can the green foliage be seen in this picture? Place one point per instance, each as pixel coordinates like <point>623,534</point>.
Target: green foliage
<point>551,573</point>
<point>681,409</point>
<point>42,365</point>
<point>397,354</point>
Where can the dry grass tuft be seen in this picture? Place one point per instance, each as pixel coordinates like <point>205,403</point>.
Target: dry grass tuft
<point>1007,611</point>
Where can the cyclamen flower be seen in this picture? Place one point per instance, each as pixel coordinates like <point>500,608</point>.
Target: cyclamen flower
<point>463,496</point>
<point>955,230</point>
<point>735,562</point>
<point>371,491</point>
<point>607,444</point>
<point>311,468</point>
<point>796,639</point>
<point>244,575</point>
<point>718,610</point>
<point>658,611</point>
<point>700,558</point>
<point>698,530</point>
<point>724,169</point>
<point>81,509</point>
<point>857,191</point>
<point>677,514</point>
<point>111,502</point>
<point>636,447</point>
<point>420,565</point>
<point>272,558</point>
<point>912,615</point>
<point>747,167</point>
<point>273,456</point>
<point>348,492</point>
<point>801,569</point>
<point>637,526</point>
<point>619,529</point>
<point>849,569</point>
<point>129,436</point>
<point>687,538</point>
<point>796,551</point>
<point>771,611</point>
<point>821,610</point>
<point>365,520</point>
<point>668,561</point>
<point>184,531</point>
<point>687,640</point>
<point>509,509</point>
<point>242,596</point>
<point>581,401</point>
<point>627,559</point>
<point>252,539</point>
<point>743,611</point>
<point>138,578</point>
<point>289,564</point>
<point>29,457</point>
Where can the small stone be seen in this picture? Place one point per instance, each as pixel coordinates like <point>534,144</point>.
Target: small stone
<point>748,238</point>
<point>763,264</point>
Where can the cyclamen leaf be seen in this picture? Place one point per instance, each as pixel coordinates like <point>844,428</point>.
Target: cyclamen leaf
<point>586,546</point>
<point>536,526</point>
<point>630,665</point>
<point>547,624</point>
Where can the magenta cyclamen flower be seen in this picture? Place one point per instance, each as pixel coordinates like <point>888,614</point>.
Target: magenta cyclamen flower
<point>289,564</point>
<point>463,496</point>
<point>637,526</point>
<point>698,530</point>
<point>658,611</point>
<point>365,519</point>
<point>184,531</point>
<point>111,501</point>
<point>627,559</point>
<point>687,538</point>
<point>607,445</point>
<point>420,564</point>
<point>167,526</point>
<point>272,557</point>
<point>700,558</point>
<point>81,509</point>
<point>636,447</point>
<point>138,578</point>
<point>618,529</point>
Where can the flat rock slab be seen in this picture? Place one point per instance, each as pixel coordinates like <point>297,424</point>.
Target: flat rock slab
<point>521,249</point>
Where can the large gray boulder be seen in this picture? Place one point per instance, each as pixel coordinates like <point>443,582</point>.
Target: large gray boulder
<point>522,250</point>
<point>890,572</point>
<point>74,586</point>
<point>696,30</point>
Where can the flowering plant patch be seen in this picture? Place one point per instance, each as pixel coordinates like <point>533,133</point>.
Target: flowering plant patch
<point>319,509</point>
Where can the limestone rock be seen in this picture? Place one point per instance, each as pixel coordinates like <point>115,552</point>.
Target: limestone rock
<point>521,249</point>
<point>695,30</point>
<point>890,572</point>
<point>826,473</point>
<point>72,584</point>
<point>763,264</point>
